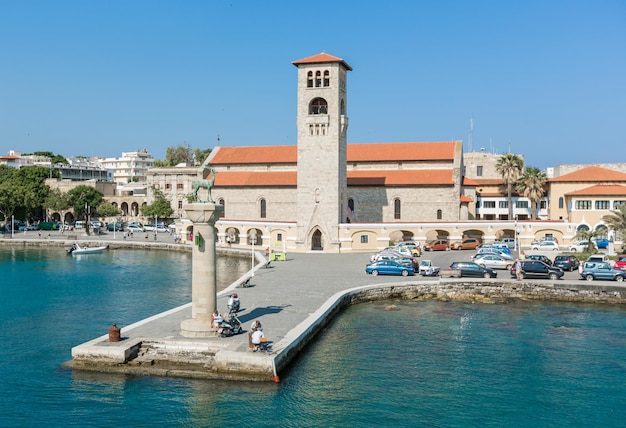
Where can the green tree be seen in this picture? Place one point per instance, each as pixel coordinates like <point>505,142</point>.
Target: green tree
<point>58,201</point>
<point>616,220</point>
<point>107,209</point>
<point>532,185</point>
<point>589,235</point>
<point>23,190</point>
<point>510,166</point>
<point>201,155</point>
<point>12,196</point>
<point>83,198</point>
<point>159,208</point>
<point>179,154</point>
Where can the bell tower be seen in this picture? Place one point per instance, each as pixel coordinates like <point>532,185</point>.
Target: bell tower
<point>322,124</point>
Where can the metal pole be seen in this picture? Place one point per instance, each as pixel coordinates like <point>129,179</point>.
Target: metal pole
<point>12,225</point>
<point>252,237</point>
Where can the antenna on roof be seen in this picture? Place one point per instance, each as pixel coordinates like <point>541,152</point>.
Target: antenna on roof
<point>218,140</point>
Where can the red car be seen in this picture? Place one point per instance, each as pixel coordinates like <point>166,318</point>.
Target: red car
<point>438,245</point>
<point>620,263</point>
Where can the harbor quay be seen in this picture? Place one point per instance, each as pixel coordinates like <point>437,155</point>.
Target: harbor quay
<point>294,299</point>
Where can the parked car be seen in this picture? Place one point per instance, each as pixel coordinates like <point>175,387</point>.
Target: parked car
<point>495,251</point>
<point>398,258</point>
<point>437,245</point>
<point>114,226</point>
<point>414,247</point>
<point>160,228</point>
<point>538,269</point>
<point>581,246</point>
<point>135,226</point>
<point>470,269</point>
<point>545,246</point>
<point>427,268</point>
<point>601,270</point>
<point>493,246</point>
<point>48,225</point>
<point>466,244</point>
<point>620,263</point>
<point>493,261</point>
<point>539,257</point>
<point>388,267</point>
<point>566,262</point>
<point>79,224</point>
<point>601,243</point>
<point>509,242</point>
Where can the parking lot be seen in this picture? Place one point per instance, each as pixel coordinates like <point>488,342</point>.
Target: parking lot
<point>444,259</point>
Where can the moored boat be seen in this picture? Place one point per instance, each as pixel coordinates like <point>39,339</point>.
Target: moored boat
<point>77,249</point>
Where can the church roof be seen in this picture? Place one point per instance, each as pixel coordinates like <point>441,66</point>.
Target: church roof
<point>385,152</point>
<point>321,58</point>
<point>370,152</point>
<point>590,173</point>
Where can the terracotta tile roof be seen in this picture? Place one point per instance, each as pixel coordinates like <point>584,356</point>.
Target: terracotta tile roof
<point>600,190</point>
<point>255,155</point>
<point>411,151</point>
<point>254,179</point>
<point>470,182</point>
<point>321,58</point>
<point>590,173</point>
<point>372,152</point>
<point>355,178</point>
<point>465,198</point>
<point>400,178</point>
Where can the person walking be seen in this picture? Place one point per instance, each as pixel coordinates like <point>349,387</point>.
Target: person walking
<point>518,270</point>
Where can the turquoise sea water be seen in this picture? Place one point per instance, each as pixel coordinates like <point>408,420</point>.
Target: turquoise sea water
<point>428,364</point>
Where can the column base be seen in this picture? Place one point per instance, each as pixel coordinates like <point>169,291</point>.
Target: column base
<point>196,328</point>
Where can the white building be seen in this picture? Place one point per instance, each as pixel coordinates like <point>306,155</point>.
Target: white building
<point>131,167</point>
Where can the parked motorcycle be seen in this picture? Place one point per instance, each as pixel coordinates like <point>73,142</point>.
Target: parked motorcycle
<point>230,327</point>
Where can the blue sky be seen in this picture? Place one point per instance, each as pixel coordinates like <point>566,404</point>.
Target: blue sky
<point>546,79</point>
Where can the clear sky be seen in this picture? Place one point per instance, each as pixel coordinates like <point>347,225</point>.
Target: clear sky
<point>544,78</point>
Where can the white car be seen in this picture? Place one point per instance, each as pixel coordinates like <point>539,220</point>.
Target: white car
<point>427,268</point>
<point>494,251</point>
<point>580,246</point>
<point>135,226</point>
<point>545,246</point>
<point>492,261</point>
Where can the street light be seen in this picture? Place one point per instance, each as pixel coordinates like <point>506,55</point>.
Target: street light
<point>252,239</point>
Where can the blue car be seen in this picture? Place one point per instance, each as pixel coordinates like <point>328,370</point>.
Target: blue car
<point>601,243</point>
<point>388,267</point>
<point>601,270</point>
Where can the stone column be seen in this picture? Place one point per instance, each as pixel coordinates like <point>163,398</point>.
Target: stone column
<point>203,278</point>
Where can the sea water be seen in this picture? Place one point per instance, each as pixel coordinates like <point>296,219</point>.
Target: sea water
<point>390,363</point>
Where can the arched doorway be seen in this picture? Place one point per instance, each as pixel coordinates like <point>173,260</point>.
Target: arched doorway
<point>316,241</point>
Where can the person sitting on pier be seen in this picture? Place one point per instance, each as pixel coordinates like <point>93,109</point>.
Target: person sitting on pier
<point>258,340</point>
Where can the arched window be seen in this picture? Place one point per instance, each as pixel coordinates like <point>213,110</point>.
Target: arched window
<point>309,79</point>
<point>561,202</point>
<point>318,106</point>
<point>221,202</point>
<point>439,214</point>
<point>263,208</point>
<point>326,78</point>
<point>318,79</point>
<point>396,209</point>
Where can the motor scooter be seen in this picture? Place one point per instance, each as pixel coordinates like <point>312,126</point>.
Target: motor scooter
<point>230,327</point>
<point>233,304</point>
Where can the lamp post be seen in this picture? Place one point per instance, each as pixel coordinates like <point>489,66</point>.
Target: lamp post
<point>252,239</point>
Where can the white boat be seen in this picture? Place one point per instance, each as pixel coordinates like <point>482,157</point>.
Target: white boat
<point>77,249</point>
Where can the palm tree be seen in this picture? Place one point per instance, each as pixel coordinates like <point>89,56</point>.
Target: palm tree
<point>531,185</point>
<point>510,166</point>
<point>617,219</point>
<point>589,235</point>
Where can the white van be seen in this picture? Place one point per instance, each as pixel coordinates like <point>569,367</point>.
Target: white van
<point>79,224</point>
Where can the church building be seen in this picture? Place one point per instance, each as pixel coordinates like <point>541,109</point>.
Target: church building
<point>325,194</point>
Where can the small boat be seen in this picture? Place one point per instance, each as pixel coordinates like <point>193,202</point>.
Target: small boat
<point>77,249</point>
